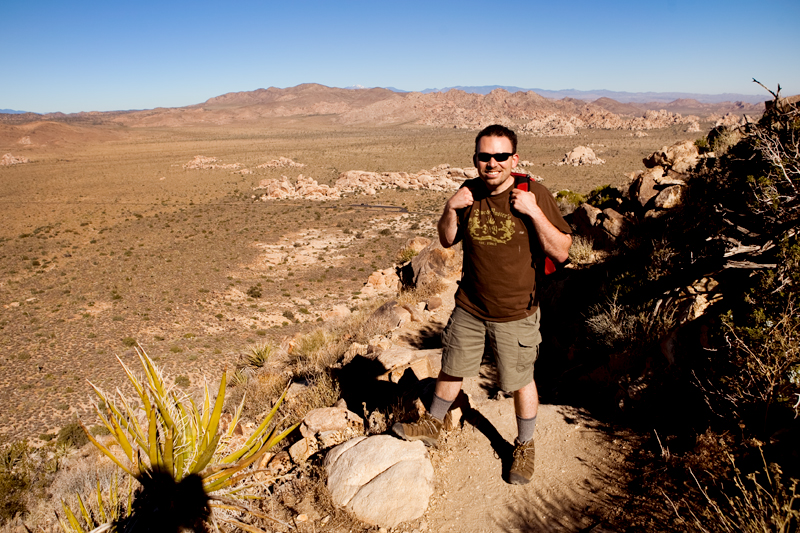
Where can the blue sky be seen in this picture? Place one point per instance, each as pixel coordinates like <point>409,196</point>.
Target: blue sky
<point>101,56</point>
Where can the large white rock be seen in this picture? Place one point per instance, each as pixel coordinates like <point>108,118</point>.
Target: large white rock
<point>382,480</point>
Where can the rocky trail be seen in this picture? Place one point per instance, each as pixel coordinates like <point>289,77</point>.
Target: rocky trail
<point>579,460</point>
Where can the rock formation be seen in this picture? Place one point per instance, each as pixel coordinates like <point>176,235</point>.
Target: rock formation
<point>581,155</point>
<point>9,160</point>
<point>281,162</point>
<point>201,162</point>
<point>306,188</point>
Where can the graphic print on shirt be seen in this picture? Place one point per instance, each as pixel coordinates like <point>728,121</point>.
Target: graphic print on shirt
<point>490,228</point>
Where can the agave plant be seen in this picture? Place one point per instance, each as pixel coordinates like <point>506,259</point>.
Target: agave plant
<point>175,437</point>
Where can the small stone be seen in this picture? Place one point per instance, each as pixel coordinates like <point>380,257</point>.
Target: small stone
<point>302,518</point>
<point>434,302</point>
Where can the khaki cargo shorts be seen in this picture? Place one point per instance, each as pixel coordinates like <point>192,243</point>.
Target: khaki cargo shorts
<point>515,346</point>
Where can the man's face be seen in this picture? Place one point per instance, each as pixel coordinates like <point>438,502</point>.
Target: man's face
<point>495,174</point>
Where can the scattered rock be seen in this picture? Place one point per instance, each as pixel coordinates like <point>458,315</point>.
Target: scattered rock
<point>440,178</point>
<point>382,480</point>
<point>281,162</point>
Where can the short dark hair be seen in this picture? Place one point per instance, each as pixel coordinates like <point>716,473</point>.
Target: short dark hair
<point>497,130</point>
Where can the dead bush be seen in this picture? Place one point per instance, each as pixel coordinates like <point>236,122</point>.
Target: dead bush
<point>582,250</point>
<point>757,502</point>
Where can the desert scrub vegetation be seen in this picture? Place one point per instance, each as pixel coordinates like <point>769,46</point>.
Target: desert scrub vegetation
<point>568,201</point>
<point>691,331</point>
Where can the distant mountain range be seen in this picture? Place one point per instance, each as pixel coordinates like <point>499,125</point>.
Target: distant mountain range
<point>469,107</point>
<point>619,96</point>
<point>11,112</point>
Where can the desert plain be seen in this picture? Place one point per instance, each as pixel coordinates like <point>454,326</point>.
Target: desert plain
<point>107,240</point>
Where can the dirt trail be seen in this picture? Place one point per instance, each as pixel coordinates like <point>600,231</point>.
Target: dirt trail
<point>578,473</point>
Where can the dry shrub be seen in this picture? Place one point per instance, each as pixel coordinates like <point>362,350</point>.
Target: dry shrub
<point>261,389</point>
<point>661,259</point>
<point>766,365</point>
<point>568,201</point>
<point>322,391</point>
<point>760,502</point>
<point>81,475</point>
<point>615,325</point>
<point>315,352</point>
<point>724,140</point>
<point>362,325</point>
<point>422,292</point>
<point>582,250</point>
<point>406,254</point>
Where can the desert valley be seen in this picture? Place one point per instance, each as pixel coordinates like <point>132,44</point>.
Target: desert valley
<point>252,222</point>
<point>111,235</point>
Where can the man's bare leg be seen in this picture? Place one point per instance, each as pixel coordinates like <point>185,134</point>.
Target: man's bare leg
<point>448,387</point>
<point>526,400</point>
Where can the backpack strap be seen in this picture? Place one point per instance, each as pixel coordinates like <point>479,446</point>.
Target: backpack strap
<point>523,181</point>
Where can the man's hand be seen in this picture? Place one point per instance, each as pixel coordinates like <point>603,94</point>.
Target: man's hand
<point>554,243</point>
<point>448,223</point>
<point>524,202</point>
<point>461,199</point>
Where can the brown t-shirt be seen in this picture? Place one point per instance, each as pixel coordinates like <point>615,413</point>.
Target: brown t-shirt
<point>501,251</point>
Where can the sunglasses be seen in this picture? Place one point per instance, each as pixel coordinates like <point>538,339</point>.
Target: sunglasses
<point>485,157</point>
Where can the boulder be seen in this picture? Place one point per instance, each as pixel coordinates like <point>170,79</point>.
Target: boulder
<point>398,359</point>
<point>336,312</point>
<point>327,419</point>
<point>433,263</point>
<point>417,244</point>
<point>669,197</point>
<point>613,223</point>
<point>586,219</point>
<point>383,282</point>
<point>680,157</point>
<point>393,314</point>
<point>433,303</point>
<point>382,480</point>
<point>643,187</point>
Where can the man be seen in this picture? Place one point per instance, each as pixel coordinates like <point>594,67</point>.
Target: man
<point>506,232</point>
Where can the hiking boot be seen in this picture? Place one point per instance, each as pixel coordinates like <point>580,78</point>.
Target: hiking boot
<point>522,469</point>
<point>426,429</point>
